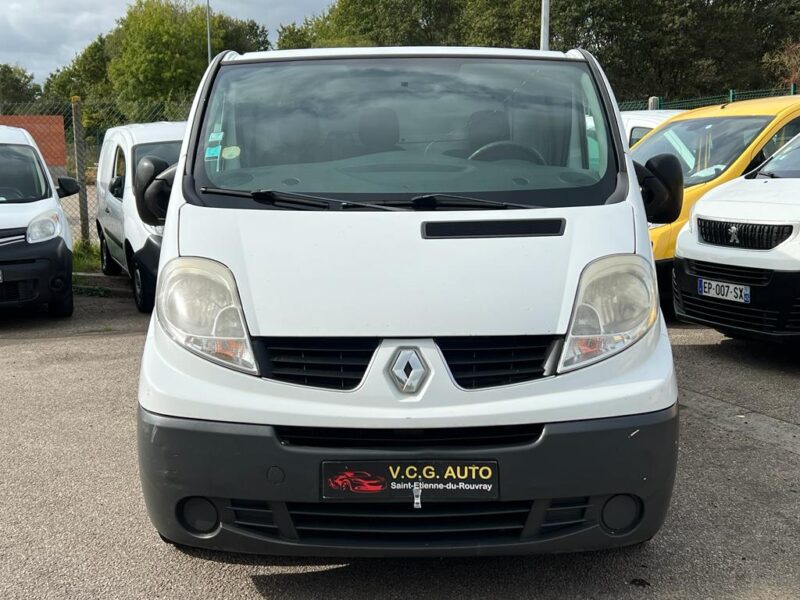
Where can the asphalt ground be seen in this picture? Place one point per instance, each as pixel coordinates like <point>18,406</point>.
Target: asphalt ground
<point>73,523</point>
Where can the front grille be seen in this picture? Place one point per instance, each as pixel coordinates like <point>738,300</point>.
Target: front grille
<point>380,439</point>
<point>254,516</point>
<point>729,273</point>
<point>400,523</point>
<point>481,362</point>
<point>723,312</point>
<point>333,363</point>
<point>793,321</point>
<point>753,236</point>
<point>15,291</point>
<point>565,513</point>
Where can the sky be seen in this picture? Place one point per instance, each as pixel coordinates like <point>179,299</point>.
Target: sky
<point>42,35</point>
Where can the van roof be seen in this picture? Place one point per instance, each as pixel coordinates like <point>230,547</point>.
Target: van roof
<point>143,133</point>
<point>15,135</point>
<point>744,108</point>
<point>398,51</point>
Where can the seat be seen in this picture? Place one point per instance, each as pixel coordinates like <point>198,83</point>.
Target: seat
<point>379,130</point>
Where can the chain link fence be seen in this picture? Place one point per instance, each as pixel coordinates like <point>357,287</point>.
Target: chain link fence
<point>659,103</point>
<point>70,136</point>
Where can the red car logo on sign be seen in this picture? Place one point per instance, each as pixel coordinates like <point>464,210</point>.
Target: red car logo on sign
<point>359,482</point>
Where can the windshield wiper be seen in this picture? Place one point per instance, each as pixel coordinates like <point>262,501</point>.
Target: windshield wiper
<point>434,201</point>
<point>769,174</point>
<point>295,200</point>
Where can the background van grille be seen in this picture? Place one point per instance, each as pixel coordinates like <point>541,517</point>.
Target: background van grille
<point>729,273</point>
<point>753,236</point>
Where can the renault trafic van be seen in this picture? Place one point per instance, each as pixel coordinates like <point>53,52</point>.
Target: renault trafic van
<point>126,243</point>
<point>35,238</point>
<point>400,312</point>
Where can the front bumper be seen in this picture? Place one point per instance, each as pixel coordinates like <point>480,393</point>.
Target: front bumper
<point>772,314</point>
<point>35,273</point>
<point>554,491</point>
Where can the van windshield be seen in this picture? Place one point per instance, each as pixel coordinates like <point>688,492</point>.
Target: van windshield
<point>167,151</point>
<point>21,175</point>
<point>785,162</point>
<point>704,147</point>
<point>531,132</point>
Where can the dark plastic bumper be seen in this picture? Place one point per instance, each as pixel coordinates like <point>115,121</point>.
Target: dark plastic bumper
<point>238,465</point>
<point>773,313</point>
<point>35,273</point>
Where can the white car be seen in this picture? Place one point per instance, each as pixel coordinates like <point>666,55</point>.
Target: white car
<point>126,243</point>
<point>638,123</point>
<point>400,312</point>
<point>35,238</point>
<point>737,260</point>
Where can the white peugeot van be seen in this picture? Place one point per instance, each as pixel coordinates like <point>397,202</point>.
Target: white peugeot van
<point>399,313</point>
<point>737,261</point>
<point>126,243</point>
<point>35,238</point>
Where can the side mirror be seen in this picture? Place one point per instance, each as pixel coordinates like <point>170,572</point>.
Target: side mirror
<point>756,162</point>
<point>152,187</point>
<point>661,181</point>
<point>116,187</point>
<point>67,186</point>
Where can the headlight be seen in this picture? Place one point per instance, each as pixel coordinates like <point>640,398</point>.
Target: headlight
<point>691,219</point>
<point>197,304</point>
<point>615,306</point>
<point>44,227</point>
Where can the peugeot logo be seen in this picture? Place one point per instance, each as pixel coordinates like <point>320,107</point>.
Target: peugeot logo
<point>733,234</point>
<point>408,370</point>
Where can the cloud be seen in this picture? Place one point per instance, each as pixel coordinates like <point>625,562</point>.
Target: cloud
<point>42,35</point>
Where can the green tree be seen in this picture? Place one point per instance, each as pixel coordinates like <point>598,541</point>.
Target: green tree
<point>784,63</point>
<point>16,86</point>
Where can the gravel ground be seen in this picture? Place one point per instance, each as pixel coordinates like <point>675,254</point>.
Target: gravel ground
<point>74,524</point>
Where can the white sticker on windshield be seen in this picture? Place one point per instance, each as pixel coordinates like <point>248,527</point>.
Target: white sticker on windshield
<point>216,136</point>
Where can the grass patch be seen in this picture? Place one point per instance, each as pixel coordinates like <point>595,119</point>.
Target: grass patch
<point>91,290</point>
<point>86,257</point>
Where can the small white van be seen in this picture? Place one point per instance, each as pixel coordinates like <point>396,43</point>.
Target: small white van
<point>737,260</point>
<point>401,312</point>
<point>126,243</point>
<point>35,238</point>
<point>638,123</point>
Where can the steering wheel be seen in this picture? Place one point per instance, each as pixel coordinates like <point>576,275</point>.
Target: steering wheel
<point>10,193</point>
<point>508,150</point>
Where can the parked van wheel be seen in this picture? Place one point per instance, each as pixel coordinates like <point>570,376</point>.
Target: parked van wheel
<point>64,307</point>
<point>143,289</point>
<point>107,264</point>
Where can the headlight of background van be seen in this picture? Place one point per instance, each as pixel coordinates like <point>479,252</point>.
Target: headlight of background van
<point>44,227</point>
<point>198,305</point>
<point>615,306</point>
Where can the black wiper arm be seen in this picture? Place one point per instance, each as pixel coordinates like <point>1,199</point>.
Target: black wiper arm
<point>769,174</point>
<point>455,201</point>
<point>294,199</point>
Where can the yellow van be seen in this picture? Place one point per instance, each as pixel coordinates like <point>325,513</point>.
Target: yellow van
<point>715,144</point>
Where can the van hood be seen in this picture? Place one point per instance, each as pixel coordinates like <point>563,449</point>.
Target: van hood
<point>16,215</point>
<point>335,273</point>
<point>753,200</point>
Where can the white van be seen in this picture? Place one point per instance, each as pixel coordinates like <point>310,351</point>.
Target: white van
<point>35,238</point>
<point>638,123</point>
<point>737,260</point>
<point>126,243</point>
<point>399,313</point>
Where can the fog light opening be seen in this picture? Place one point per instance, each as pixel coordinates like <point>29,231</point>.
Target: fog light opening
<point>57,284</point>
<point>198,516</point>
<point>621,514</point>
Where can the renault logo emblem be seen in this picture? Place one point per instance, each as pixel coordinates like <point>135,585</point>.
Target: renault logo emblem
<point>408,370</point>
<point>733,234</point>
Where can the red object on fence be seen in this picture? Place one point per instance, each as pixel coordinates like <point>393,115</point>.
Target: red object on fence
<point>48,131</point>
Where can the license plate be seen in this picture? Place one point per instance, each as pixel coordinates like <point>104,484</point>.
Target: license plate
<point>396,480</point>
<point>724,291</point>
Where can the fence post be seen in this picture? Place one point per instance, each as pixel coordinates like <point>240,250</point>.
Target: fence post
<point>80,167</point>
<point>793,89</point>
<point>654,103</point>
<point>731,95</point>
